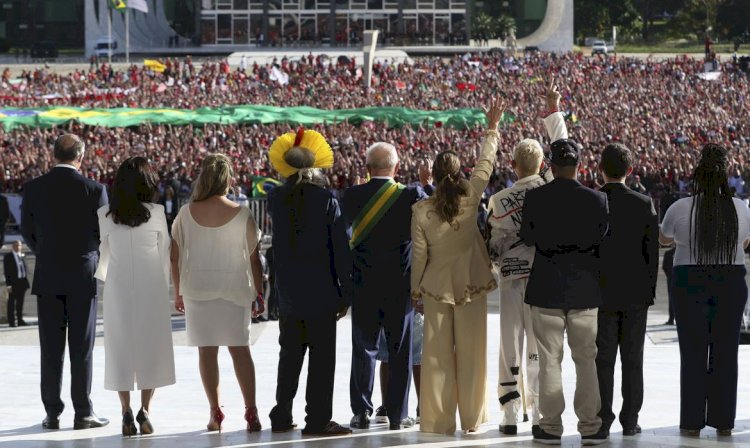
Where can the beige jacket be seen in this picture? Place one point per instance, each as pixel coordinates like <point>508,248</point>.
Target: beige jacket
<point>450,263</point>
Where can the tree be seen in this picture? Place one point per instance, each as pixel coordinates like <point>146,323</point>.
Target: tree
<point>483,26</point>
<point>733,17</point>
<point>696,17</point>
<point>505,26</point>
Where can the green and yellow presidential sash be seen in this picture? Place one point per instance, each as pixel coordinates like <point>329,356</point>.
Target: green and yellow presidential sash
<point>374,210</point>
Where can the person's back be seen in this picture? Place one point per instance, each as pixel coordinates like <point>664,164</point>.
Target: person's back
<point>629,253</point>
<point>62,206</point>
<point>566,222</point>
<point>386,252</point>
<point>214,238</point>
<point>303,232</point>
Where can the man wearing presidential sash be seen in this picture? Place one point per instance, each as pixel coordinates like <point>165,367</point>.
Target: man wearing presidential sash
<point>379,216</point>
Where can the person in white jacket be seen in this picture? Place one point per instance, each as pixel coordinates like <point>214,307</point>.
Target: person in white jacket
<point>513,260</point>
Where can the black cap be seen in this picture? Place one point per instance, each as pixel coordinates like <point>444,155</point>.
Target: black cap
<point>565,152</point>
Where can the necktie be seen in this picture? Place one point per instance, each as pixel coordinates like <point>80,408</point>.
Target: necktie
<point>21,267</point>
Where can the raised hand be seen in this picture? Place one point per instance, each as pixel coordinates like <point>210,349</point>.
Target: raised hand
<point>425,172</point>
<point>552,97</point>
<point>494,113</point>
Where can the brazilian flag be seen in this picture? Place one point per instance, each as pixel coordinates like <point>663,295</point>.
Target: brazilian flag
<point>262,185</point>
<point>118,4</point>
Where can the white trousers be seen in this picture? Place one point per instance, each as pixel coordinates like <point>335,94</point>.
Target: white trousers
<point>515,323</point>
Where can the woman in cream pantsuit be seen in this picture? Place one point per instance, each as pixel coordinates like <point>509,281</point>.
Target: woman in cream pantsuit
<point>451,275</point>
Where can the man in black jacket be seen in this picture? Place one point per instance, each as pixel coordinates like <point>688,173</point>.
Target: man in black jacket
<point>59,223</point>
<point>4,215</point>
<point>629,265</point>
<point>17,282</point>
<point>566,222</point>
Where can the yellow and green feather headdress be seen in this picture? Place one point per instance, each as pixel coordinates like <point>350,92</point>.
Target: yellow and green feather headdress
<point>299,150</point>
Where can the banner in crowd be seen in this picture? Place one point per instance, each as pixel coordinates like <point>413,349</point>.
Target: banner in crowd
<point>11,118</point>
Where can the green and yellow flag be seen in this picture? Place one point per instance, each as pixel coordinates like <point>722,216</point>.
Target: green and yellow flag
<point>118,4</point>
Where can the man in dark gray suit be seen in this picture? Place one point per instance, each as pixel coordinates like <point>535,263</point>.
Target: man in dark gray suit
<point>59,223</point>
<point>629,265</point>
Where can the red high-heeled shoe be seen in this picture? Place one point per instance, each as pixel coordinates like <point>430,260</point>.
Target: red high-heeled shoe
<point>251,416</point>
<point>216,418</point>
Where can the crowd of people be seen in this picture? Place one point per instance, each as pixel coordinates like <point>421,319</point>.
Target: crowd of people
<point>660,107</point>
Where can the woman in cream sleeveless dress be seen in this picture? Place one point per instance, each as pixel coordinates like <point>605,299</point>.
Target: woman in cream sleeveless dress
<point>217,275</point>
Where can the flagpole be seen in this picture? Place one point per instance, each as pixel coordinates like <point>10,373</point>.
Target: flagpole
<point>109,32</point>
<point>127,38</point>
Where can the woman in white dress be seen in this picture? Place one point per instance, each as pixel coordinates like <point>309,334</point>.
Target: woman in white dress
<point>217,275</point>
<point>134,266</point>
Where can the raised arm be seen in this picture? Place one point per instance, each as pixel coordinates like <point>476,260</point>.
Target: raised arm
<point>480,177</point>
<point>555,121</point>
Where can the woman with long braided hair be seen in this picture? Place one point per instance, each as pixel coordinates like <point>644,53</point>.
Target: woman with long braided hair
<point>711,230</point>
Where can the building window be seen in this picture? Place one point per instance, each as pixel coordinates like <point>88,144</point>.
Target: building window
<point>208,30</point>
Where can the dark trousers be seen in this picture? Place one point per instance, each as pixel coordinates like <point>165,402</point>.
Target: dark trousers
<point>670,293</point>
<point>75,316</point>
<point>296,336</point>
<point>15,304</point>
<point>273,299</point>
<point>396,323</point>
<point>709,302</point>
<point>625,330</point>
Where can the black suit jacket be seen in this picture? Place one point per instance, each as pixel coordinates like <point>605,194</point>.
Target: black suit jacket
<point>60,224</point>
<point>382,261</point>
<point>630,251</point>
<point>566,222</point>
<point>10,268</point>
<point>4,212</point>
<point>311,260</point>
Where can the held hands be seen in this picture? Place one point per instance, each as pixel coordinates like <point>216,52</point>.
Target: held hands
<point>552,98</point>
<point>259,306</point>
<point>418,306</point>
<point>179,303</point>
<point>495,113</point>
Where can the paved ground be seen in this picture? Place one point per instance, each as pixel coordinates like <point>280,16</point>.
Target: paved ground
<point>180,412</point>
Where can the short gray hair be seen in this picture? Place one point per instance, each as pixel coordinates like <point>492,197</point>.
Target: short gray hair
<point>381,156</point>
<point>69,148</point>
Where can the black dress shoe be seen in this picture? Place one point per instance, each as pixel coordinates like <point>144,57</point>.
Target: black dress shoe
<point>22,323</point>
<point>510,430</point>
<point>631,431</point>
<point>51,422</point>
<point>12,325</point>
<point>90,421</point>
<point>262,319</point>
<point>360,421</point>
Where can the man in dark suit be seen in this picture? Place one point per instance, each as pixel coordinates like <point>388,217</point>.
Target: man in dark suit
<point>566,222</point>
<point>629,265</point>
<point>59,223</point>
<point>381,286</point>
<point>312,269</point>
<point>17,282</point>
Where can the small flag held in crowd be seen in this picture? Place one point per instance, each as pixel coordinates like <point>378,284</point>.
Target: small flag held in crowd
<point>154,65</point>
<point>262,185</point>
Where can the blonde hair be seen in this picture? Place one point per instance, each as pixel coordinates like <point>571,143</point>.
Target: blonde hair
<point>215,178</point>
<point>528,156</point>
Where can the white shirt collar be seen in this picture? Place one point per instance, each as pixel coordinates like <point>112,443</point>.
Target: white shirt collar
<point>65,165</point>
<point>381,177</point>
